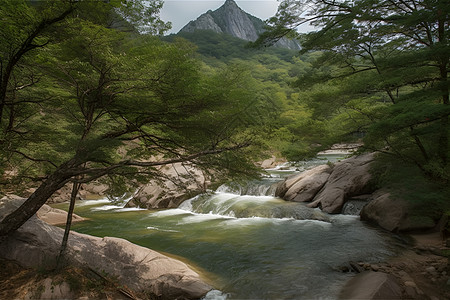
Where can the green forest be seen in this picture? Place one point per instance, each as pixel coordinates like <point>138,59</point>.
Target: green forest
<point>94,91</point>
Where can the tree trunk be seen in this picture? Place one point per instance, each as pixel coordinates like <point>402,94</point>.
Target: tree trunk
<point>73,196</point>
<point>26,46</point>
<point>53,183</point>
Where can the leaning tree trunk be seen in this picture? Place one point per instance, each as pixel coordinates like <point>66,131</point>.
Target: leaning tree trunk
<point>53,183</point>
<point>73,196</point>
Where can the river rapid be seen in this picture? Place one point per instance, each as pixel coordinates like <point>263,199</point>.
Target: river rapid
<point>248,244</point>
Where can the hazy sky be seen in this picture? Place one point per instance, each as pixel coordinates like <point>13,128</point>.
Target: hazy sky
<point>180,12</point>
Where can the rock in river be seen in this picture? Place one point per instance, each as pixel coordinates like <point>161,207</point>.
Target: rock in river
<point>329,187</point>
<point>304,186</point>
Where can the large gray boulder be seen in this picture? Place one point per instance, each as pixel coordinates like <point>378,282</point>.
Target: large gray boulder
<point>394,214</point>
<point>330,187</point>
<point>36,244</point>
<point>304,187</point>
<point>181,183</point>
<point>349,178</point>
<point>54,216</point>
<point>372,285</point>
<point>177,183</point>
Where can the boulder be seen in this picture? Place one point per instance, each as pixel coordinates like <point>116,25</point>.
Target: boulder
<point>394,214</point>
<point>341,149</point>
<point>349,178</point>
<point>271,162</point>
<point>36,244</point>
<point>329,187</point>
<point>372,285</point>
<point>304,186</point>
<point>54,216</point>
<point>182,182</point>
<point>92,190</point>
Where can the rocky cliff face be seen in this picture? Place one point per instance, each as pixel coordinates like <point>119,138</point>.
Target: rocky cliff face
<point>231,19</point>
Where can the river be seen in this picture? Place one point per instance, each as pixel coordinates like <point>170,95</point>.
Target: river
<point>249,245</point>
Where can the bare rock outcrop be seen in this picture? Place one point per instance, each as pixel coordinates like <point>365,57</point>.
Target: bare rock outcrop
<point>304,187</point>
<point>372,285</point>
<point>271,162</point>
<point>177,183</point>
<point>232,20</point>
<point>54,216</point>
<point>182,182</point>
<point>349,178</point>
<point>394,214</point>
<point>329,187</point>
<point>36,244</point>
<point>92,190</point>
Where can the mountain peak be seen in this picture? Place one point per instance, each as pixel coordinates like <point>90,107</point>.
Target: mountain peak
<point>231,19</point>
<point>230,2</point>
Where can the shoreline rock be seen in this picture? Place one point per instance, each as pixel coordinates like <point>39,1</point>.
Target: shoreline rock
<point>36,244</point>
<point>304,187</point>
<point>55,216</point>
<point>394,214</point>
<point>420,271</point>
<point>372,285</point>
<point>329,187</point>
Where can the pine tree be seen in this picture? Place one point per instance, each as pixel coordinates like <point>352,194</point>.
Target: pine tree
<point>394,57</point>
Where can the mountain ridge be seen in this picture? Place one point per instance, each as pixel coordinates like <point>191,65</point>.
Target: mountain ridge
<point>231,19</point>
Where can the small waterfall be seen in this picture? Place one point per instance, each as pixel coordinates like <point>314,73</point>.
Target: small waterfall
<point>247,206</point>
<point>253,199</point>
<point>110,203</point>
<point>265,187</point>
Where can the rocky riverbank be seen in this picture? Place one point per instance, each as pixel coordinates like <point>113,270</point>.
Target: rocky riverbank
<point>347,187</point>
<point>418,272</point>
<point>137,270</point>
<point>177,182</point>
<point>421,271</point>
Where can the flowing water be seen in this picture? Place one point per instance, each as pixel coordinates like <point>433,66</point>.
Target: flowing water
<point>249,246</point>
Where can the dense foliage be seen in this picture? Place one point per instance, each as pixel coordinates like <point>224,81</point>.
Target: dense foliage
<point>296,131</point>
<point>383,71</point>
<point>87,93</point>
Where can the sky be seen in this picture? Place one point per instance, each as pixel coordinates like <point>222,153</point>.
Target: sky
<point>180,12</point>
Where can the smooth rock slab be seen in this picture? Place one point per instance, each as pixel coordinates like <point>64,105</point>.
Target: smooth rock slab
<point>394,214</point>
<point>330,187</point>
<point>36,244</point>
<point>372,285</point>
<point>54,216</point>
<point>349,178</point>
<point>304,186</point>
